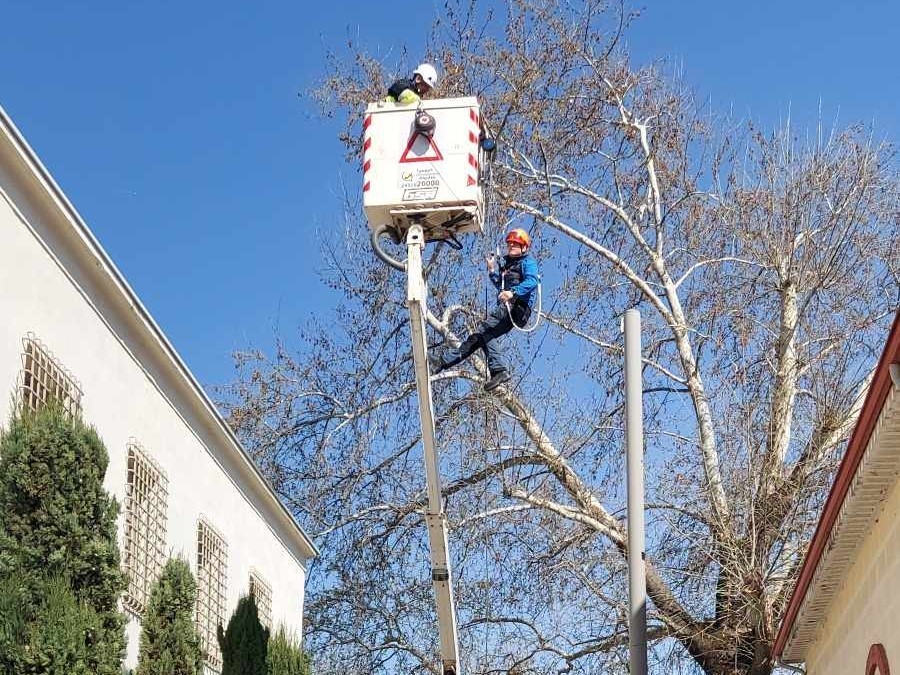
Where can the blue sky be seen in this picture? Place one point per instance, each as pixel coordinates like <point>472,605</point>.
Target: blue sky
<point>177,130</point>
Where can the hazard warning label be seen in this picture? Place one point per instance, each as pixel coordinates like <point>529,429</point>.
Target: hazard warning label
<point>421,148</point>
<point>420,183</point>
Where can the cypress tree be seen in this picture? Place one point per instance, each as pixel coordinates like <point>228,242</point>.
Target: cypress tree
<point>13,620</point>
<point>244,643</point>
<point>284,658</point>
<point>170,644</point>
<point>48,630</point>
<point>59,523</point>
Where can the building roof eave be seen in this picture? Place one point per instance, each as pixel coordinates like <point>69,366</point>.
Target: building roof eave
<point>885,377</point>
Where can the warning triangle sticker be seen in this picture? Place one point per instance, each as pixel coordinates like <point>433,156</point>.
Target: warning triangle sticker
<point>424,151</point>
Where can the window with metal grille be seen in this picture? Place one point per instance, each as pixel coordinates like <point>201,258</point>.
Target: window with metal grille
<point>212,558</point>
<point>44,380</point>
<point>146,493</point>
<point>261,593</point>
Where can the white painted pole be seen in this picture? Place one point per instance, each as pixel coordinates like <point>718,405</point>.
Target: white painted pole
<point>634,441</point>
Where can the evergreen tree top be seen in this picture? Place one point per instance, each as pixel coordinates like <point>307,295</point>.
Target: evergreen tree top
<point>170,644</point>
<point>245,642</point>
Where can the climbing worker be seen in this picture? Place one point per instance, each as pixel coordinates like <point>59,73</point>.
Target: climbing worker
<point>517,280</point>
<point>411,90</point>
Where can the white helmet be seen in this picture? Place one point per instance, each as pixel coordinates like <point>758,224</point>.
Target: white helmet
<point>428,73</point>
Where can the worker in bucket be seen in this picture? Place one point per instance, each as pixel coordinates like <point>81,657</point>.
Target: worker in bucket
<point>411,90</point>
<point>517,280</point>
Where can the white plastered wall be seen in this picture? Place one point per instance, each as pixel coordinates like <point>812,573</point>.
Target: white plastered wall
<point>866,610</point>
<point>49,287</point>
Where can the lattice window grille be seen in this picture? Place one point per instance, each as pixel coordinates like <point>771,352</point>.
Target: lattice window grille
<point>146,496</point>
<point>212,557</point>
<point>43,379</point>
<point>261,592</point>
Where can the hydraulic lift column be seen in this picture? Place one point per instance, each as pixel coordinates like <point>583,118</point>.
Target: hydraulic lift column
<point>435,517</point>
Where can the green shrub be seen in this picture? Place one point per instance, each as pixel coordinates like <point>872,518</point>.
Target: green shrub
<point>170,644</point>
<point>53,632</point>
<point>57,522</point>
<point>284,658</point>
<point>13,620</point>
<point>244,642</point>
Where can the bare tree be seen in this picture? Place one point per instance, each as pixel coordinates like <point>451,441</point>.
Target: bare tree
<point>766,267</point>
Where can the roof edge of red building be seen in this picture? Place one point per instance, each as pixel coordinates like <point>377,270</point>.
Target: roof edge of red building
<point>856,447</point>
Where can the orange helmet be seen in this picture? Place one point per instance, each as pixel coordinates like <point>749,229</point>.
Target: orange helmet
<point>520,237</point>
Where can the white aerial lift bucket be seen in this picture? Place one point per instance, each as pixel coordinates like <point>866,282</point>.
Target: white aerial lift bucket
<point>410,176</point>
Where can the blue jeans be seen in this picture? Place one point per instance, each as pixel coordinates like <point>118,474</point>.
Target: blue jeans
<point>488,337</point>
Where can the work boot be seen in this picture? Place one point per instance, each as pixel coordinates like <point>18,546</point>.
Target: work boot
<point>496,380</point>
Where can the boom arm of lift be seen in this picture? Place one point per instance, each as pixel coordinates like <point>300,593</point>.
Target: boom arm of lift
<point>435,517</point>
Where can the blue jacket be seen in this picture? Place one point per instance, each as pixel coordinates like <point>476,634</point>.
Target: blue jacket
<point>519,275</point>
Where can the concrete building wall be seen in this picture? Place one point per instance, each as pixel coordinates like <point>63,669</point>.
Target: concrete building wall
<point>866,610</point>
<point>54,287</point>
